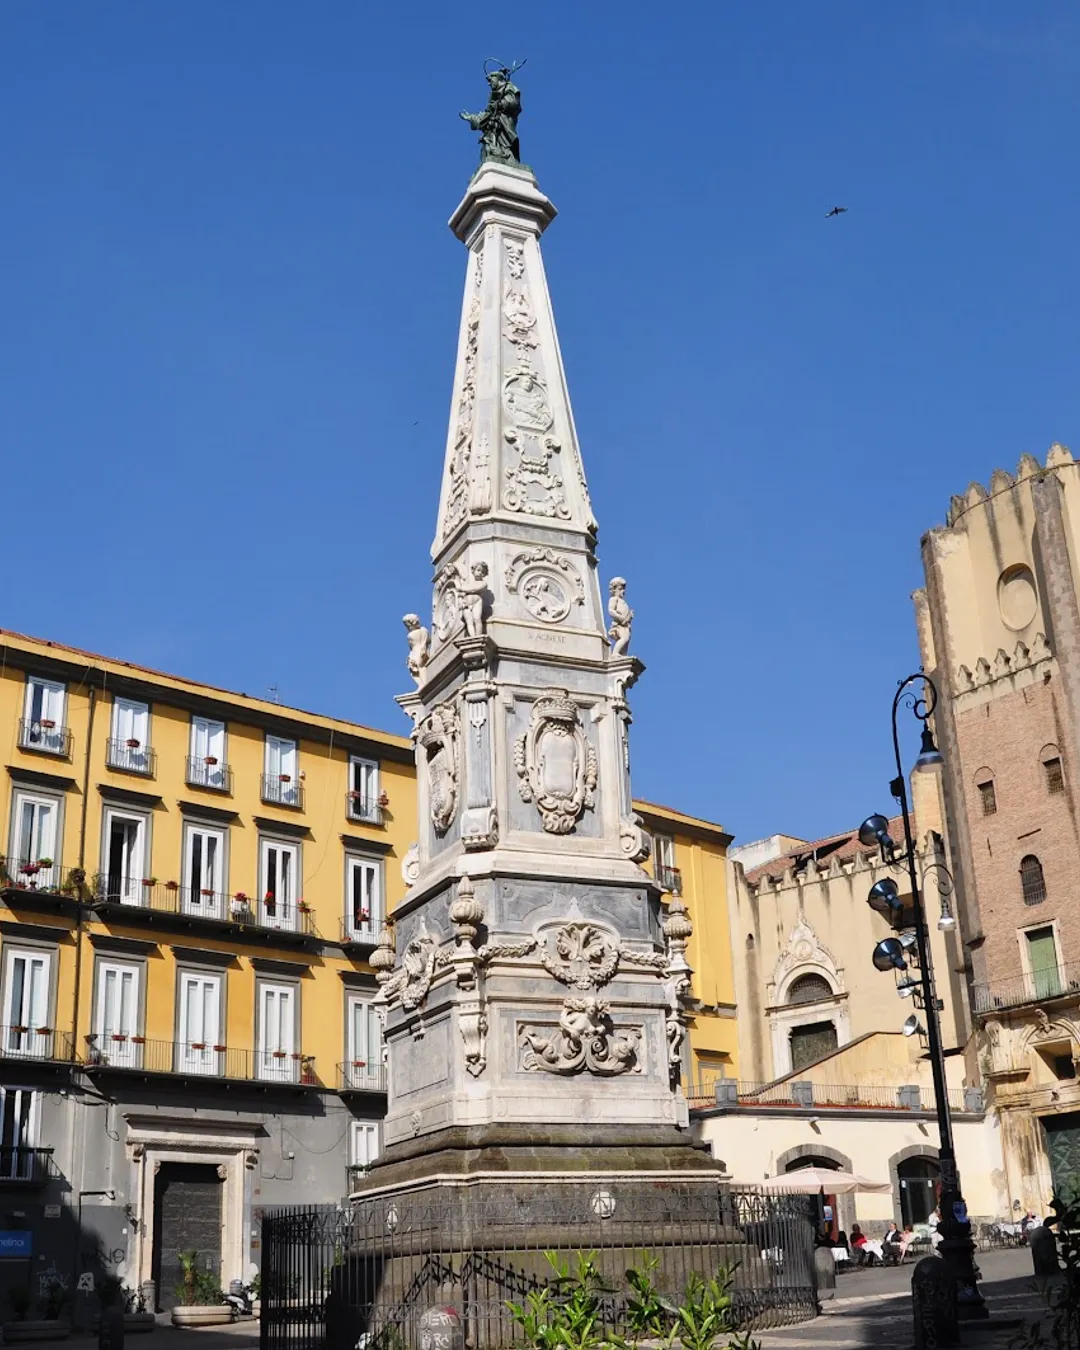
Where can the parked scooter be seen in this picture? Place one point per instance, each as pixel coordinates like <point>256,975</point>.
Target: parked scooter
<point>239,1298</point>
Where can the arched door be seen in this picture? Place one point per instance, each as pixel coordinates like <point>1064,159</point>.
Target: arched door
<point>918,1189</point>
<point>831,1219</point>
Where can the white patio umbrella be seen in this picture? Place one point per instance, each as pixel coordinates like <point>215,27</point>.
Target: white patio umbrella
<point>811,1180</point>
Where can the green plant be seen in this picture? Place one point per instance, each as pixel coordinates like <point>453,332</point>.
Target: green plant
<point>19,1301</point>
<point>196,1287</point>
<point>649,1315</point>
<point>707,1312</point>
<point>565,1313</point>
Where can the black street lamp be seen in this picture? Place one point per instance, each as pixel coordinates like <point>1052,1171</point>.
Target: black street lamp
<point>956,1247</point>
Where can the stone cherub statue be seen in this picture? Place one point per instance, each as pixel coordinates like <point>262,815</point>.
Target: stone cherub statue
<point>497,124</point>
<point>419,646</point>
<point>471,596</point>
<point>621,615</point>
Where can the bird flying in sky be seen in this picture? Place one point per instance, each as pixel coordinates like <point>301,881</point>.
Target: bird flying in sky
<point>836,211</point>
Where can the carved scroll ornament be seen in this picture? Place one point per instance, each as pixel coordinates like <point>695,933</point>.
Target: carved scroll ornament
<point>584,956</point>
<point>585,1039</point>
<point>412,980</point>
<point>555,764</point>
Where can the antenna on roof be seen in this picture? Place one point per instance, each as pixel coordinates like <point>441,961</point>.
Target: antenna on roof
<point>273,695</point>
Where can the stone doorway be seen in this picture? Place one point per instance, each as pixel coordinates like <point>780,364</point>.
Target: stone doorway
<point>187,1217</point>
<point>918,1182</point>
<point>1062,1134</point>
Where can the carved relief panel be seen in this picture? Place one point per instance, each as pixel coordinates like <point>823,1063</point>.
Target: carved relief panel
<point>556,766</point>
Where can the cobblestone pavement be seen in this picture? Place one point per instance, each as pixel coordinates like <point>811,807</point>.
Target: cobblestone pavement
<point>873,1310</point>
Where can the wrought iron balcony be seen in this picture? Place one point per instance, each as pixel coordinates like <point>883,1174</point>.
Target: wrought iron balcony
<point>282,789</point>
<point>131,756</point>
<point>366,810</point>
<point>669,879</point>
<point>44,736</point>
<point>38,1043</point>
<point>44,876</point>
<point>149,898</point>
<point>359,1075</point>
<point>209,773</point>
<point>1034,987</point>
<point>20,1166</point>
<point>362,934</point>
<point>205,1059</point>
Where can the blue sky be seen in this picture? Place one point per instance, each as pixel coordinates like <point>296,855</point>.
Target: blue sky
<point>229,304</point>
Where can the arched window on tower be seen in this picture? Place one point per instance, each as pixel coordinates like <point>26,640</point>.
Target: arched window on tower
<point>809,989</point>
<point>1032,882</point>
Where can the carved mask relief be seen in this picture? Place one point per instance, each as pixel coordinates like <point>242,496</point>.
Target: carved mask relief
<point>555,764</point>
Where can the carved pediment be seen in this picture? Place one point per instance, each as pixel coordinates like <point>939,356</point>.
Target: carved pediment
<point>804,952</point>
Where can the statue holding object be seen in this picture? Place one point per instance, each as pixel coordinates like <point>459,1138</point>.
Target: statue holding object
<point>497,124</point>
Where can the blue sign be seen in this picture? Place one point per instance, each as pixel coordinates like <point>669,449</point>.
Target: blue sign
<point>15,1243</point>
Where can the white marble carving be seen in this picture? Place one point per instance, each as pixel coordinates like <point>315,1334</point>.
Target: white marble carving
<point>584,956</point>
<point>480,479</point>
<point>439,736</point>
<point>473,1023</point>
<point>547,581</point>
<point>419,646</point>
<point>520,319</point>
<point>457,494</point>
<point>621,615</point>
<point>515,257</point>
<point>585,1039</point>
<point>410,866</point>
<point>446,610</point>
<point>410,983</point>
<point>525,400</point>
<point>555,764</point>
<point>472,593</point>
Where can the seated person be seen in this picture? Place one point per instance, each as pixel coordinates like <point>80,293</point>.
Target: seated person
<point>907,1237</point>
<point>858,1242</point>
<point>890,1245</point>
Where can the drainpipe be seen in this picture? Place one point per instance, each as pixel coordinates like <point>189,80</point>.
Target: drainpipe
<point>79,911</point>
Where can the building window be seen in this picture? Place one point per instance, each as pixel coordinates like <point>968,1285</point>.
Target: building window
<point>1064,1067</point>
<point>33,860</point>
<point>1032,882</point>
<point>129,744</point>
<point>18,1133</point>
<point>812,1042</point>
<point>363,898</point>
<point>204,870</point>
<point>280,875</point>
<point>363,1144</point>
<point>809,989</point>
<point>276,1054</point>
<point>918,1179</point>
<point>207,765</point>
<point>1055,779</point>
<point>26,1028</point>
<point>200,1049</point>
<point>988,797</point>
<point>364,1068</point>
<point>667,874</point>
<point>116,1016</point>
<point>1042,962</point>
<point>281,775</point>
<point>363,797</point>
<point>42,726</point>
<point>125,858</point>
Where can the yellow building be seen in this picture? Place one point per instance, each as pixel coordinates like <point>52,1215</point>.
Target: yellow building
<point>689,860</point>
<point>192,882</point>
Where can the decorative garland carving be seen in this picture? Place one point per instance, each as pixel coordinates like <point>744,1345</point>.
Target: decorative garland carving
<point>506,951</point>
<point>584,956</point>
<point>585,1038</point>
<point>555,764</point>
<point>439,736</point>
<point>515,257</point>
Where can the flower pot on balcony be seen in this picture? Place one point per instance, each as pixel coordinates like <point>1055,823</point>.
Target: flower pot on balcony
<point>202,1315</point>
<point>132,743</point>
<point>198,1045</point>
<point>138,1040</point>
<point>46,724</point>
<point>206,892</point>
<point>211,760</point>
<point>384,800</point>
<point>118,1037</point>
<point>220,1049</point>
<point>172,885</point>
<point>41,1329</point>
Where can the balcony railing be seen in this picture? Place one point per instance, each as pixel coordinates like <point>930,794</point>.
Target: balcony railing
<point>1033,987</point>
<point>359,1075</point>
<point>155,897</point>
<point>23,1166</point>
<point>203,1058</point>
<point>669,879</point>
<point>45,736</point>
<point>282,790</point>
<point>796,1094</point>
<point>362,934</point>
<point>364,809</point>
<point>43,875</point>
<point>131,756</point>
<point>39,1043</point>
<point>209,773</point>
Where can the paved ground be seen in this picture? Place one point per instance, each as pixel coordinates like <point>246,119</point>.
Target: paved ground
<point>873,1309</point>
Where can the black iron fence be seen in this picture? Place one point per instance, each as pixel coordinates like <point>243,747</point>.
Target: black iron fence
<point>206,771</point>
<point>380,1271</point>
<point>131,756</point>
<point>118,1051</point>
<point>44,735</point>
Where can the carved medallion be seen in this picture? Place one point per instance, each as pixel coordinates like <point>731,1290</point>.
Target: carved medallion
<point>446,610</point>
<point>585,1039</point>
<point>584,956</point>
<point>438,736</point>
<point>555,764</point>
<point>525,399</point>
<point>548,583</point>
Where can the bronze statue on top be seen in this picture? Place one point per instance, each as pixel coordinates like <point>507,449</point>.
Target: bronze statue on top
<point>497,124</point>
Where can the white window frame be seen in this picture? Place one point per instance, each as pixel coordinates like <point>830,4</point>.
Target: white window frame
<point>209,738</point>
<point>365,1063</point>
<point>126,1052</point>
<point>196,1050</point>
<point>364,800</point>
<point>33,1012</point>
<point>365,1143</point>
<point>373,869</point>
<point>130,891</point>
<point>134,758</point>
<point>23,1133</point>
<point>283,912</point>
<point>194,901</point>
<point>52,739</point>
<point>48,877</point>
<point>280,756</point>
<point>277,1032</point>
